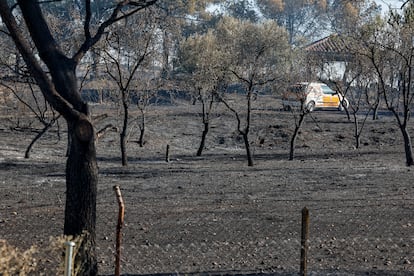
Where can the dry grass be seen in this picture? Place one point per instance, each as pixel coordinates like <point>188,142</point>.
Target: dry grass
<point>14,261</point>
<point>48,260</point>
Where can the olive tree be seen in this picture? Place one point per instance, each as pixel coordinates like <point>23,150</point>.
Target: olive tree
<point>353,82</point>
<point>303,19</point>
<point>299,113</point>
<point>204,69</point>
<point>388,47</point>
<point>18,82</point>
<point>55,74</point>
<point>124,59</point>
<point>357,89</point>
<point>258,57</point>
<point>397,85</point>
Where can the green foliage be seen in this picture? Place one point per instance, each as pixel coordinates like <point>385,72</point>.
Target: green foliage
<point>349,15</point>
<point>243,49</point>
<point>256,51</point>
<point>242,10</point>
<point>303,19</point>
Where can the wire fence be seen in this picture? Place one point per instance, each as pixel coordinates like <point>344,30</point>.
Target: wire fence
<point>177,234</point>
<point>176,224</point>
<point>214,216</point>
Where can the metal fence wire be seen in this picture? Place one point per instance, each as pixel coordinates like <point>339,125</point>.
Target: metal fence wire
<point>214,215</point>
<point>178,225</point>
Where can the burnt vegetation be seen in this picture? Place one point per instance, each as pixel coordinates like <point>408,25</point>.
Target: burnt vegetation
<point>114,84</point>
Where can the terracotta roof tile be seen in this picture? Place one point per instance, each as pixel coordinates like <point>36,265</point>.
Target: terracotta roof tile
<point>329,44</point>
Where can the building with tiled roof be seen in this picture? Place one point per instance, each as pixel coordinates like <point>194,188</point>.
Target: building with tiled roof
<point>328,57</point>
<point>330,48</point>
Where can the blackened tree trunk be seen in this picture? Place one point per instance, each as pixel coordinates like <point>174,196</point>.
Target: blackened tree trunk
<point>62,93</point>
<point>298,126</point>
<point>125,78</point>
<point>244,132</point>
<point>81,190</point>
<point>123,134</point>
<point>207,107</point>
<point>402,121</point>
<point>375,112</point>
<point>357,134</point>
<point>407,146</point>
<point>203,138</point>
<point>247,146</point>
<point>141,136</point>
<point>142,128</point>
<point>359,126</point>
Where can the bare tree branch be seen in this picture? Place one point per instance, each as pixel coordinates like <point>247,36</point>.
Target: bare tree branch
<point>45,84</point>
<point>115,17</point>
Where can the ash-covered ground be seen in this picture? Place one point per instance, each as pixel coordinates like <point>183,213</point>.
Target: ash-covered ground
<point>214,215</point>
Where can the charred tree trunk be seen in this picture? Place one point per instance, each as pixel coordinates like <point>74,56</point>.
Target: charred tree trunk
<point>295,135</point>
<point>141,136</point>
<point>61,91</point>
<point>407,146</point>
<point>203,138</point>
<point>348,116</point>
<point>357,134</point>
<point>81,181</point>
<point>81,189</point>
<point>375,107</point>
<point>247,146</point>
<point>69,142</point>
<point>375,112</point>
<point>207,107</point>
<point>246,131</point>
<point>142,129</point>
<point>123,134</point>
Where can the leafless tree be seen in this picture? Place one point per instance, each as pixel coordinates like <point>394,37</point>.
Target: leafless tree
<point>37,107</point>
<point>388,47</point>
<point>124,59</point>
<point>299,113</point>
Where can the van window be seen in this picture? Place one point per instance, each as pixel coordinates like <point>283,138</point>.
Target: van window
<point>327,90</point>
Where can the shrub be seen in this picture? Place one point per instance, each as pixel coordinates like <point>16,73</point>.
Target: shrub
<point>49,260</point>
<point>14,261</point>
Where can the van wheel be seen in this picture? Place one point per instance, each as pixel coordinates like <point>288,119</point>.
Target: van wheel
<point>310,107</point>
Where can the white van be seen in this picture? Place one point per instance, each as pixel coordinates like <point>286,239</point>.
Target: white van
<point>314,95</point>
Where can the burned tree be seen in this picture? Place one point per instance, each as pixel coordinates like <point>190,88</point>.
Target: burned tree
<point>124,60</point>
<point>258,57</point>
<point>204,69</point>
<point>59,85</point>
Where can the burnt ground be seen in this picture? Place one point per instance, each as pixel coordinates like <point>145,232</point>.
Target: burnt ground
<point>214,215</point>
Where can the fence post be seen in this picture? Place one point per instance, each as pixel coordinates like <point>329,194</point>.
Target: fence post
<point>304,242</point>
<point>121,211</point>
<point>68,258</point>
<point>167,154</point>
